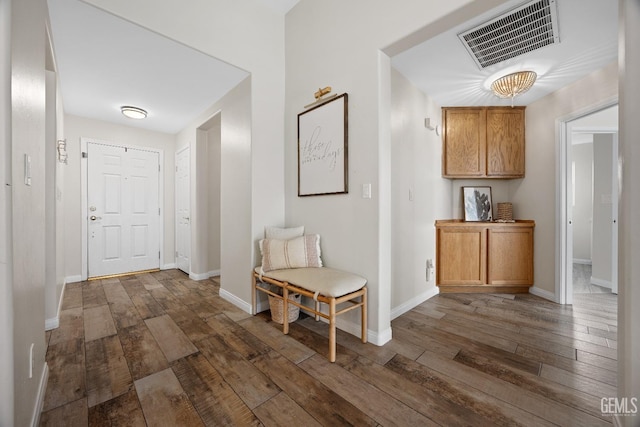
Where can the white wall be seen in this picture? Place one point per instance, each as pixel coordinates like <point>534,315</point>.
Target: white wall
<point>205,205</point>
<point>50,301</point>
<point>235,197</point>
<point>60,201</point>
<point>629,226</point>
<point>79,127</point>
<point>6,291</point>
<point>602,209</point>
<point>419,194</point>
<point>583,196</point>
<point>534,197</point>
<point>28,203</point>
<point>214,145</point>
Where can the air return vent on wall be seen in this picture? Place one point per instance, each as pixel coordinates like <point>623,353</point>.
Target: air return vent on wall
<point>528,27</point>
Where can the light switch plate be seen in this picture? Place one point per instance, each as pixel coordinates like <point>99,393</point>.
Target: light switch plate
<point>366,191</point>
<point>27,169</point>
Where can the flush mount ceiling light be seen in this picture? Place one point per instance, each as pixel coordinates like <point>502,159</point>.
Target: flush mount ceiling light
<point>133,112</point>
<point>514,84</point>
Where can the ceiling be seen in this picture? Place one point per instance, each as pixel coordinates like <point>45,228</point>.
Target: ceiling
<point>442,68</point>
<point>105,62</point>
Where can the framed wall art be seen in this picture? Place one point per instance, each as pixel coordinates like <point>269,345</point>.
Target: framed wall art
<point>477,203</point>
<point>322,149</point>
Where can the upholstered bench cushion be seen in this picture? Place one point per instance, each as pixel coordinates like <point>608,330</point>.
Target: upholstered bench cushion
<point>326,281</point>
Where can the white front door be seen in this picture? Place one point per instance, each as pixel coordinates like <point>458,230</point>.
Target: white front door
<point>183,209</point>
<point>123,214</point>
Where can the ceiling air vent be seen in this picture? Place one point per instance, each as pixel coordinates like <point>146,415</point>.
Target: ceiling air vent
<point>529,27</point>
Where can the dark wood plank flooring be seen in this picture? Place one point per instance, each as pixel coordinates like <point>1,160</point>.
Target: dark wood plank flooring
<point>159,349</point>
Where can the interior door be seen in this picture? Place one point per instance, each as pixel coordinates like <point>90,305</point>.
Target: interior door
<point>123,210</point>
<point>183,209</point>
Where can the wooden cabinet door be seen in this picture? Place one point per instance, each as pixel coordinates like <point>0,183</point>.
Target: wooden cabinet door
<point>464,142</point>
<point>461,256</point>
<point>505,142</point>
<point>510,256</point>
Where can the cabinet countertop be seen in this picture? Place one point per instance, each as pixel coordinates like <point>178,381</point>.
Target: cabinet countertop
<point>461,222</point>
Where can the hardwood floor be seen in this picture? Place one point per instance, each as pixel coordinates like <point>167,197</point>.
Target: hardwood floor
<point>159,349</point>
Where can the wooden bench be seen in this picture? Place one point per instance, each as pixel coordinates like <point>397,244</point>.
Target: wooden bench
<point>324,285</point>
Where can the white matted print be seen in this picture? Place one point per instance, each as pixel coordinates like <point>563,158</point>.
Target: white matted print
<point>322,149</point>
<point>477,203</point>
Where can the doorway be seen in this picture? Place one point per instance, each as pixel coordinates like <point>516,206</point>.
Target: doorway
<point>589,226</point>
<point>122,218</point>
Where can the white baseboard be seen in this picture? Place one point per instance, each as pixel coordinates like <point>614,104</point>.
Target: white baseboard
<point>582,261</point>
<point>170,266</point>
<point>52,323</point>
<point>378,339</point>
<point>542,293</point>
<point>373,337</point>
<point>414,302</point>
<point>42,388</point>
<point>73,279</point>
<point>601,282</point>
<point>617,422</point>
<point>204,276</point>
<point>238,302</point>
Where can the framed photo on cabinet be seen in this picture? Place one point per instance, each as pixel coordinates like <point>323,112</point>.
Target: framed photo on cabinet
<point>477,203</point>
<point>322,149</point>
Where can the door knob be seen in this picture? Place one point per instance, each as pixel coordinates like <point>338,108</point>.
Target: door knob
<point>93,217</point>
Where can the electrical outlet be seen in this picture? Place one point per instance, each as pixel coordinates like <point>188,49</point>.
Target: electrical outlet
<point>430,270</point>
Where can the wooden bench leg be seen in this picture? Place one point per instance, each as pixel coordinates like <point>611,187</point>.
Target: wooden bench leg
<point>363,319</point>
<point>285,309</point>
<point>332,330</point>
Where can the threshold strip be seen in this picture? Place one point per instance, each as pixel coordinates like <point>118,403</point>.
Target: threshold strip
<point>131,273</point>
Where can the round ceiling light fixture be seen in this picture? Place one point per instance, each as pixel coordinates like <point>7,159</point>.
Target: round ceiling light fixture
<point>513,84</point>
<point>133,112</point>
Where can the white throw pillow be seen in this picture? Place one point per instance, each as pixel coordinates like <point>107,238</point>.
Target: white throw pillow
<point>283,233</point>
<point>299,252</point>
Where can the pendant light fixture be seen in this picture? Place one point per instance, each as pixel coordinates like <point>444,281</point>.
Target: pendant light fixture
<point>513,84</point>
<point>133,112</point>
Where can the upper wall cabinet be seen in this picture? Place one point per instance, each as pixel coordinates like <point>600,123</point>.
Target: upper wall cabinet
<point>483,142</point>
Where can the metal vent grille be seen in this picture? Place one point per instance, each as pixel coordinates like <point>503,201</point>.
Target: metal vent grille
<point>529,27</point>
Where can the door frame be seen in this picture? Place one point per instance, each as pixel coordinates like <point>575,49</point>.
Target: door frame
<point>175,205</point>
<point>564,219</point>
<point>84,196</point>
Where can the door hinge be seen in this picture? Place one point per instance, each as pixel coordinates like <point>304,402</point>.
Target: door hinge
<point>158,254</point>
<point>85,155</point>
<point>158,211</point>
<point>158,168</point>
